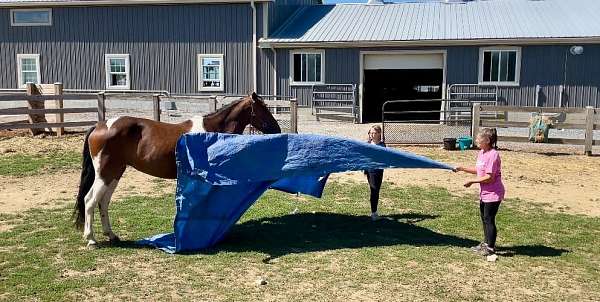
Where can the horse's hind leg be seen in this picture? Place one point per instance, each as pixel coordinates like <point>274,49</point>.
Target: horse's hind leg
<point>104,202</point>
<point>92,198</point>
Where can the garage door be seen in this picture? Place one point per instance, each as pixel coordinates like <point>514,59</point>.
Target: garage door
<point>402,77</point>
<point>404,61</point>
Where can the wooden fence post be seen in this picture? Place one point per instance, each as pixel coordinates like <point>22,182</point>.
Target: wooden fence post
<point>156,107</point>
<point>39,117</point>
<point>101,107</point>
<point>475,120</point>
<point>212,104</point>
<point>589,129</point>
<point>294,115</point>
<point>59,104</point>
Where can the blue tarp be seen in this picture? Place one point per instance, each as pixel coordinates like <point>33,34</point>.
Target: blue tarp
<point>219,176</point>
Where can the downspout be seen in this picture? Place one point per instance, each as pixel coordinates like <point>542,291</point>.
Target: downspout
<point>274,70</point>
<point>254,46</point>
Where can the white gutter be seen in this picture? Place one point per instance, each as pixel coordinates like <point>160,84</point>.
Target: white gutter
<point>266,43</point>
<point>254,46</point>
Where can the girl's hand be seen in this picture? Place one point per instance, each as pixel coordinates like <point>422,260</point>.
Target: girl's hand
<point>457,169</point>
<point>468,184</point>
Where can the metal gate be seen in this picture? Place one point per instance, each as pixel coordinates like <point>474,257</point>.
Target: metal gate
<point>337,101</point>
<point>401,126</point>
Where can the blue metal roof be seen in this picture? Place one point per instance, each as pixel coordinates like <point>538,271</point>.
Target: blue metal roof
<point>440,21</point>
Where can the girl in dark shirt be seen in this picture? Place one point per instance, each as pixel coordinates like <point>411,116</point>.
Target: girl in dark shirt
<point>375,177</point>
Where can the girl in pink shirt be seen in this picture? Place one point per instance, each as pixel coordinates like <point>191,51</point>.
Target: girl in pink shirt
<point>489,177</point>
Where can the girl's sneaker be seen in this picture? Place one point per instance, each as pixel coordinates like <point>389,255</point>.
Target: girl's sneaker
<point>478,248</point>
<point>375,216</point>
<point>487,251</point>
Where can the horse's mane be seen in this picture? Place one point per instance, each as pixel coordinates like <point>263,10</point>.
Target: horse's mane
<point>226,108</point>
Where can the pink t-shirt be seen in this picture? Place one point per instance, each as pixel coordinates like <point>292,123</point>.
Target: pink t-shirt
<point>489,163</point>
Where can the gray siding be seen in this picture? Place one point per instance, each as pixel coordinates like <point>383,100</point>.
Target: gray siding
<point>162,41</point>
<point>540,65</point>
<point>341,67</point>
<point>278,12</point>
<point>266,67</point>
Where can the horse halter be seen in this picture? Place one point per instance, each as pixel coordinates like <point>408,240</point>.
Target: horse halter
<point>252,114</point>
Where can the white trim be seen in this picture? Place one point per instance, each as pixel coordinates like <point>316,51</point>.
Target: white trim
<point>361,61</point>
<point>116,2</point>
<point>20,71</point>
<point>13,23</point>
<point>516,82</point>
<point>107,58</point>
<point>308,52</point>
<point>221,72</point>
<point>274,71</point>
<point>267,43</point>
<point>254,47</point>
<point>362,54</point>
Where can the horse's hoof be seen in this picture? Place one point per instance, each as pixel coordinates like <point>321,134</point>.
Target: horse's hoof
<point>92,245</point>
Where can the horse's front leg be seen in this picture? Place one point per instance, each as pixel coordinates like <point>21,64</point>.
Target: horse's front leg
<point>104,218</point>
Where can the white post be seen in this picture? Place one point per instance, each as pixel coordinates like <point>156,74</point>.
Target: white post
<point>475,121</point>
<point>561,91</point>
<point>589,129</point>
<point>59,104</point>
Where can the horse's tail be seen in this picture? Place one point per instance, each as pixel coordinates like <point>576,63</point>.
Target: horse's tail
<point>88,174</point>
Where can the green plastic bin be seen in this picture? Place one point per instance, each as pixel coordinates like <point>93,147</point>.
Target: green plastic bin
<point>464,143</point>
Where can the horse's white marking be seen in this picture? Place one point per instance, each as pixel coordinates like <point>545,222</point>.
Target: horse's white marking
<point>110,122</point>
<point>100,192</point>
<point>104,202</point>
<point>197,124</point>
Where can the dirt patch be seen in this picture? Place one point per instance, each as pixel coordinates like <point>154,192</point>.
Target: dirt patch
<point>23,143</point>
<point>4,227</point>
<point>56,190</point>
<point>563,183</point>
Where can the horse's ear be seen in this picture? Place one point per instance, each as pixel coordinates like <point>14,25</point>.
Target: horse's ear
<point>256,98</point>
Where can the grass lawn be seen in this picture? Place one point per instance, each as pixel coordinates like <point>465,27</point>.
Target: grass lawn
<point>19,164</point>
<point>329,250</point>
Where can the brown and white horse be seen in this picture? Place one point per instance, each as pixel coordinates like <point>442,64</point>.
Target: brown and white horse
<point>149,147</point>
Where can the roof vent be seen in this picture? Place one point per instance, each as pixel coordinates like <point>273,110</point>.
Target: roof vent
<point>375,2</point>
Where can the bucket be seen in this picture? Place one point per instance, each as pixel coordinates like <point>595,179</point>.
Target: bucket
<point>449,143</point>
<point>465,142</point>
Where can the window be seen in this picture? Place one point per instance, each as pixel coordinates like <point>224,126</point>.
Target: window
<point>28,69</point>
<point>31,17</point>
<point>210,72</point>
<point>307,67</point>
<point>499,65</point>
<point>117,72</point>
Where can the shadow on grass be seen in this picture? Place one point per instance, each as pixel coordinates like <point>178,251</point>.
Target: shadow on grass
<point>530,250</point>
<point>306,232</point>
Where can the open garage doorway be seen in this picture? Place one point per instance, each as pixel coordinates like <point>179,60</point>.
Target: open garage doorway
<point>402,77</point>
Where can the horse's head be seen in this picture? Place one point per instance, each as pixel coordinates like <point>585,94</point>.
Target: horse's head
<point>260,116</point>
